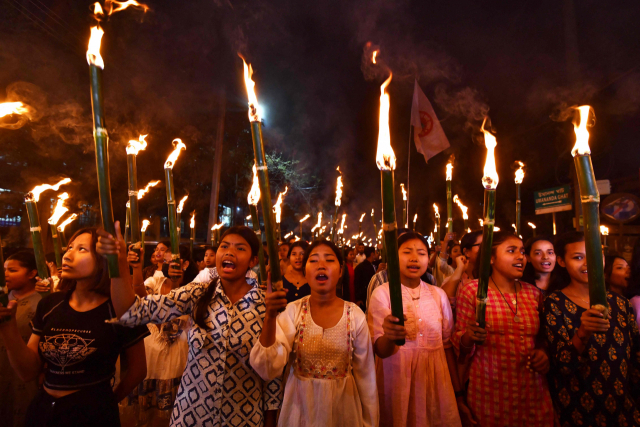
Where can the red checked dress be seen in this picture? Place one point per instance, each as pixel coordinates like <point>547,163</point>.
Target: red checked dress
<point>502,390</point>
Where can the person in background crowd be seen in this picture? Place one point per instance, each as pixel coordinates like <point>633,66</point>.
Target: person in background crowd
<point>541,260</point>
<point>507,360</point>
<point>166,349</point>
<point>362,274</point>
<point>633,289</point>
<point>227,315</point>
<point>294,280</point>
<point>323,344</point>
<point>616,274</point>
<point>20,273</point>
<point>593,358</point>
<point>347,283</point>
<point>203,259</point>
<point>417,382</point>
<point>283,252</point>
<point>360,256</point>
<point>74,347</point>
<point>470,246</point>
<point>157,260</point>
<point>441,260</point>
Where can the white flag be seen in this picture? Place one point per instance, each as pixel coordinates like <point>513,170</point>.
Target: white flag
<point>427,132</point>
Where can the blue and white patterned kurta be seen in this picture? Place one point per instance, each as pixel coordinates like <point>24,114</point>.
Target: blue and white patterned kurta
<point>219,387</point>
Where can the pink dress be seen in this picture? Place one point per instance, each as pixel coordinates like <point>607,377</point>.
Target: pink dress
<point>502,390</point>
<point>414,385</point>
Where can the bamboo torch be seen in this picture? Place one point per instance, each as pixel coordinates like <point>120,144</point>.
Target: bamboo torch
<point>605,232</point>
<point>449,197</point>
<point>436,229</point>
<point>61,227</point>
<point>405,219</point>
<point>386,162</point>
<point>263,176</point>
<point>518,181</point>
<point>192,238</point>
<point>338,202</point>
<point>306,217</point>
<point>31,202</point>
<point>126,224</point>
<point>533,228</point>
<point>59,210</point>
<point>171,201</point>
<point>253,198</point>
<point>464,209</point>
<point>133,148</point>
<point>490,182</point>
<point>590,203</point>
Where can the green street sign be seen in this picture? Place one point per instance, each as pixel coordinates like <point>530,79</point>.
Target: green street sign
<point>553,200</point>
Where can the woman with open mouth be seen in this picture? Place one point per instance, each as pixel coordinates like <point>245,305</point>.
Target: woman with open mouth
<point>592,358</point>
<point>218,387</point>
<point>541,260</point>
<point>417,382</point>
<point>324,344</point>
<point>507,363</point>
<point>294,280</point>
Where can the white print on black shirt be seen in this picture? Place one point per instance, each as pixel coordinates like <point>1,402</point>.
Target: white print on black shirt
<point>66,349</point>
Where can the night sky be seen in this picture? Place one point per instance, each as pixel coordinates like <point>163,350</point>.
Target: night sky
<point>518,62</point>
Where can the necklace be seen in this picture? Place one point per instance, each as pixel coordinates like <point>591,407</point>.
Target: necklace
<point>411,294</point>
<point>516,318</point>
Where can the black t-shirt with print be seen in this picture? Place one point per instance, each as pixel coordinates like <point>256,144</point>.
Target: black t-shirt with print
<point>79,348</point>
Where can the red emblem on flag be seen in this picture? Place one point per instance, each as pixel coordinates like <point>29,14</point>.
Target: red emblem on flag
<point>427,124</point>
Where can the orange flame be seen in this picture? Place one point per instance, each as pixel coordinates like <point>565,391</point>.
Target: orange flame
<point>8,108</point>
<point>373,57</point>
<point>385,157</point>
<point>449,171</point>
<point>490,178</point>
<point>250,85</point>
<point>415,218</point>
<point>319,224</point>
<point>481,221</point>
<point>145,224</point>
<point>133,147</point>
<point>581,147</point>
<point>181,204</point>
<point>217,227</point>
<point>254,193</point>
<point>520,173</point>
<point>34,195</point>
<point>404,192</point>
<point>171,160</point>
<point>277,208</point>
<point>362,217</point>
<point>59,210</point>
<point>306,217</point>
<point>67,222</point>
<point>338,200</point>
<point>604,230</point>
<point>192,224</point>
<point>436,210</point>
<point>119,5</point>
<point>141,193</point>
<point>462,207</point>
<point>93,52</point>
<point>532,225</point>
<point>341,231</point>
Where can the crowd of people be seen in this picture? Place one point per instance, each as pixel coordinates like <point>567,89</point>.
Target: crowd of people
<point>204,341</point>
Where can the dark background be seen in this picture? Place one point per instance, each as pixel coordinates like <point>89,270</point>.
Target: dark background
<point>519,62</point>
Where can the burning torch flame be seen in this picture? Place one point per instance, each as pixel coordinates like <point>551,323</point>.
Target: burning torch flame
<point>437,211</point>
<point>496,228</point>
<point>339,189</point>
<point>415,218</point>
<point>362,216</point>
<point>581,148</point>
<point>513,226</point>
<point>480,220</point>
<point>93,52</point>
<point>254,193</point>
<point>181,204</point>
<point>341,231</point>
<point>217,227</point>
<point>462,207</point>
<point>277,208</point>
<point>144,191</point>
<point>604,230</point>
<point>490,178</point>
<point>449,170</point>
<point>254,115</point>
<point>8,108</point>
<point>306,217</point>
<point>193,220</point>
<point>288,234</point>
<point>34,194</point>
<point>59,210</point>
<point>404,192</point>
<point>532,225</point>
<point>385,157</point>
<point>145,224</point>
<point>520,173</point>
<point>135,146</point>
<point>67,222</point>
<point>319,224</point>
<point>373,58</point>
<point>171,160</point>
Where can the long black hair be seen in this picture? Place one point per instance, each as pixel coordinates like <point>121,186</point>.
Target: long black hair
<point>560,278</point>
<point>25,258</point>
<point>201,311</point>
<point>530,275</point>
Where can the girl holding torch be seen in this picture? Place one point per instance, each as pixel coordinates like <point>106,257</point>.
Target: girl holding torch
<point>590,355</point>
<point>506,355</point>
<point>418,382</point>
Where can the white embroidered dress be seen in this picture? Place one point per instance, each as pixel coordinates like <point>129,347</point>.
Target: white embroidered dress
<point>331,379</point>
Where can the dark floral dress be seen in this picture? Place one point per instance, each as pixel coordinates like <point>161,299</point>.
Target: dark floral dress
<point>593,388</point>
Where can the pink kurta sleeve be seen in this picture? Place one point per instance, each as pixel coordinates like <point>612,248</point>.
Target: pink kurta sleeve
<point>447,318</point>
<point>379,308</point>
